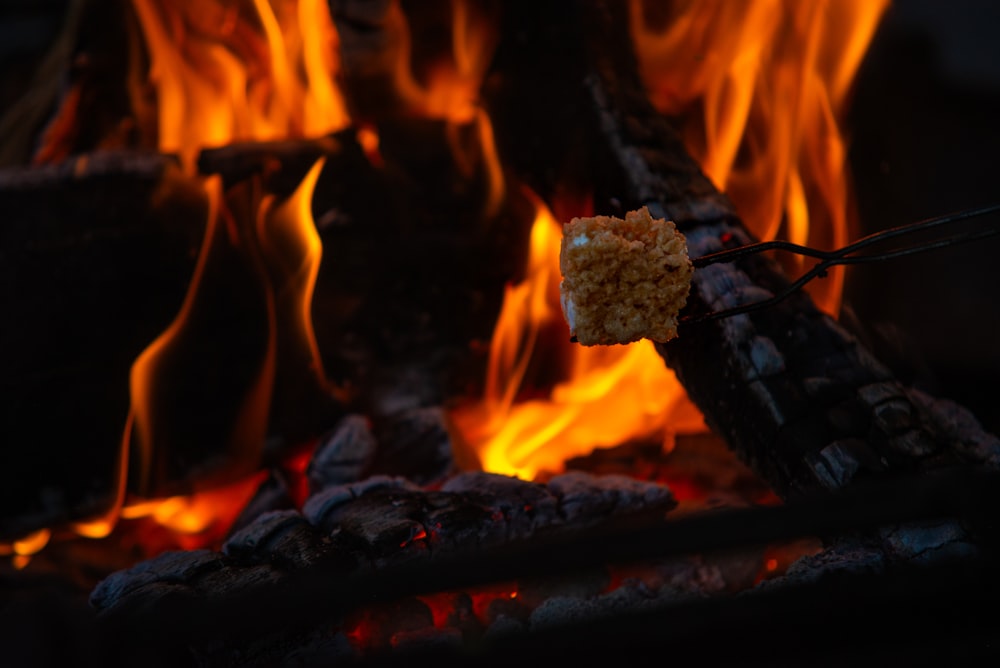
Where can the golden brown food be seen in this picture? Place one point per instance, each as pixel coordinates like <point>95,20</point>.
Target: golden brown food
<point>623,280</point>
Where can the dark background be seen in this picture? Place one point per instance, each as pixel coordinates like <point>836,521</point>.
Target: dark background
<point>27,27</point>
<point>925,139</point>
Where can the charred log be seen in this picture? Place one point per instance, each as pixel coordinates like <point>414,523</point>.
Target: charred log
<point>379,547</point>
<point>410,284</point>
<point>793,392</point>
<point>383,539</point>
<point>421,253</point>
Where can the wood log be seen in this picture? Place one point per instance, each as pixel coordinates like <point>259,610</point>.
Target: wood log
<point>371,547</point>
<point>916,615</point>
<point>92,272</point>
<point>792,391</point>
<point>377,531</point>
<point>414,261</point>
<point>401,292</point>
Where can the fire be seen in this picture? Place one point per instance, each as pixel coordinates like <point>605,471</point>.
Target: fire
<point>758,88</point>
<point>164,375</point>
<point>225,71</point>
<point>427,80</point>
<point>222,72</point>
<point>760,91</point>
<point>450,88</point>
<point>610,394</point>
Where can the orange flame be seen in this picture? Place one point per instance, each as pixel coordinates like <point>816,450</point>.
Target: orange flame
<point>760,91</point>
<point>450,92</point>
<point>286,233</point>
<point>20,551</point>
<point>224,71</point>
<point>611,394</point>
<point>227,71</point>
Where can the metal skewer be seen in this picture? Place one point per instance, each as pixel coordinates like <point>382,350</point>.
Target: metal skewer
<point>842,256</point>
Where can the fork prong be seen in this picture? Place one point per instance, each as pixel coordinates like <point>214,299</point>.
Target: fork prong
<point>842,256</point>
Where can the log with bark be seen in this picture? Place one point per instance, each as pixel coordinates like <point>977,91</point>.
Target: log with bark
<point>104,246</point>
<point>792,391</point>
<point>364,564</point>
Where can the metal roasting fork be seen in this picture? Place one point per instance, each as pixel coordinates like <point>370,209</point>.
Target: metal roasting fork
<point>845,255</point>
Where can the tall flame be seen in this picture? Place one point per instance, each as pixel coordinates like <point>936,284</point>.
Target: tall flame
<point>759,88</point>
<point>610,394</point>
<point>449,92</point>
<point>272,290</point>
<point>226,71</point>
<point>760,91</point>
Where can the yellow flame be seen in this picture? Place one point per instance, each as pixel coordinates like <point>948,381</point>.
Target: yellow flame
<point>609,396</point>
<point>760,90</point>
<point>180,350</point>
<point>222,72</point>
<point>451,90</point>
<point>292,251</point>
<point>198,512</point>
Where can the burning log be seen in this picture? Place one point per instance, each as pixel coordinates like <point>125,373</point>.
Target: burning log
<point>792,391</point>
<point>278,579</point>
<point>94,269</point>
<point>406,366</point>
<point>77,103</point>
<point>794,394</point>
<point>369,530</point>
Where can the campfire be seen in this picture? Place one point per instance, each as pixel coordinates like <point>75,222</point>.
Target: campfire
<point>292,358</point>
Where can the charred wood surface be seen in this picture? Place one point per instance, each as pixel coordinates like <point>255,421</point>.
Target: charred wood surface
<point>792,391</point>
<point>375,547</point>
<point>416,252</point>
<point>368,548</point>
<point>386,521</point>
